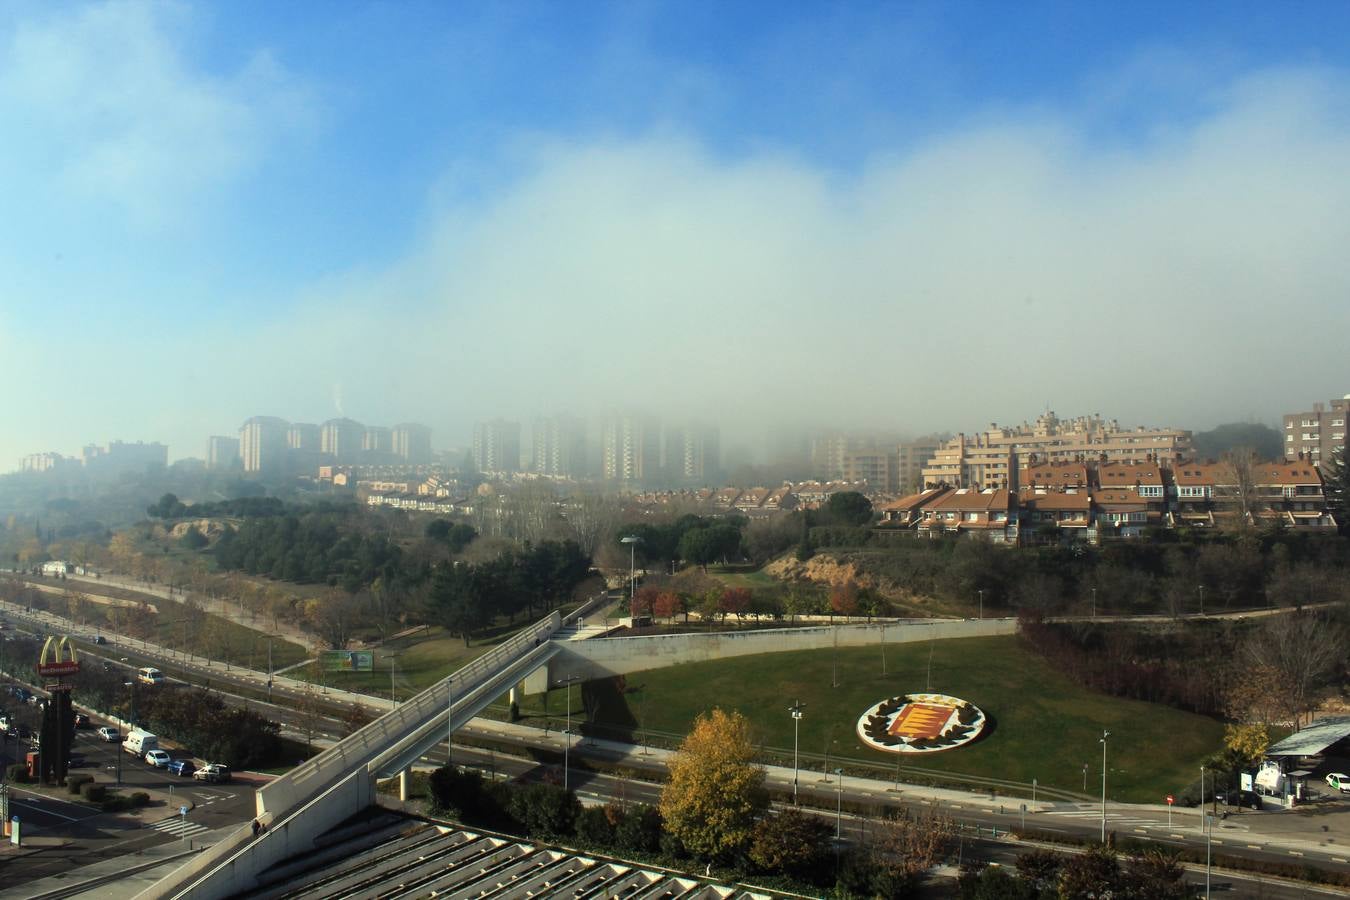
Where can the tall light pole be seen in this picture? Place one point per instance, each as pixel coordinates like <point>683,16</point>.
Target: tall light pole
<point>567,735</point>
<point>1202,798</point>
<point>1094,603</point>
<point>449,719</point>
<point>1105,735</point>
<point>632,540</point>
<point>838,804</point>
<point>1202,599</point>
<point>796,710</point>
<point>981,593</point>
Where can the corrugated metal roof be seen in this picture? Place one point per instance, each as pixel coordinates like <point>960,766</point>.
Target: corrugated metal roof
<point>1314,739</point>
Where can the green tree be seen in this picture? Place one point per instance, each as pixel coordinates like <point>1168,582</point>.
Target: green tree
<point>848,508</point>
<point>1336,487</point>
<point>715,791</point>
<point>790,841</point>
<point>456,602</point>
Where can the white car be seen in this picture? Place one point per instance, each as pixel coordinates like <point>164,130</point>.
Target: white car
<point>158,758</point>
<point>109,734</point>
<point>1340,781</point>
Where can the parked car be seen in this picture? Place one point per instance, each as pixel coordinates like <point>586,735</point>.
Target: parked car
<point>182,767</point>
<point>215,773</point>
<point>1340,781</point>
<point>110,734</point>
<point>81,720</point>
<point>100,639</point>
<point>157,758</point>
<point>1245,799</point>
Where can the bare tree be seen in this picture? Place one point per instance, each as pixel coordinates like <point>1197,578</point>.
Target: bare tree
<point>593,517</point>
<point>1305,649</point>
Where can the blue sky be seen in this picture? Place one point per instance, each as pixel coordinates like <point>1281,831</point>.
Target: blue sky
<point>749,211</point>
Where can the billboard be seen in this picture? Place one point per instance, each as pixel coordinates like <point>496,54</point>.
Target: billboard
<point>347,660</point>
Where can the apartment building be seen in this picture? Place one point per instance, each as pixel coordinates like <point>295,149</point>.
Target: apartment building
<point>304,437</point>
<point>993,457</point>
<point>411,443</point>
<point>221,452</point>
<point>342,439</point>
<point>991,512</point>
<point>496,446</point>
<point>262,443</point>
<point>1316,434</point>
<point>558,447</point>
<point>630,448</point>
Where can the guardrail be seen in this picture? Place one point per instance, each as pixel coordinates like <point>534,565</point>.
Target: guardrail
<point>366,744</point>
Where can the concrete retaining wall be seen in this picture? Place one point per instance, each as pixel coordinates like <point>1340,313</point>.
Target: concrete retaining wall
<point>619,656</point>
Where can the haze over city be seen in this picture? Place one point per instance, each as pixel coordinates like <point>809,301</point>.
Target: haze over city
<point>920,217</point>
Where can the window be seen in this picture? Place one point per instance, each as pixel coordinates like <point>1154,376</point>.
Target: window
<point>1288,437</point>
<point>1337,421</point>
<point>1338,435</point>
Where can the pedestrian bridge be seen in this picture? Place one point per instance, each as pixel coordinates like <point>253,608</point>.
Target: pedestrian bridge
<point>339,783</point>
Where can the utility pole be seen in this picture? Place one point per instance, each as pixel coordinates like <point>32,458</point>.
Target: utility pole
<point>1105,735</point>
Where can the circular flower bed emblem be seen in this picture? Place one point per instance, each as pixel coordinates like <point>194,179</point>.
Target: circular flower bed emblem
<point>920,723</point>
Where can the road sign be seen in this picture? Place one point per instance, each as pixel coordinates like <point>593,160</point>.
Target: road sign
<point>1171,799</point>
<point>182,810</point>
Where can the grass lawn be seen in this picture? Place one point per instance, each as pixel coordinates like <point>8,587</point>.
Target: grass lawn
<point>1043,725</point>
<point>228,640</point>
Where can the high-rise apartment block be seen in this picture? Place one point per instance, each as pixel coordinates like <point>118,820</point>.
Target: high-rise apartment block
<point>496,446</point>
<point>342,439</point>
<point>302,436</point>
<point>992,458</point>
<point>693,454</point>
<point>1315,435</point>
<point>222,452</point>
<point>558,447</point>
<point>262,443</point>
<point>630,448</point>
<point>412,443</point>
<point>377,440</point>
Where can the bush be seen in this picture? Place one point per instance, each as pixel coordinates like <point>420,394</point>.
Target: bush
<point>639,830</point>
<point>115,803</point>
<point>140,798</point>
<point>594,828</point>
<point>75,782</point>
<point>546,810</point>
<point>18,773</point>
<point>94,792</point>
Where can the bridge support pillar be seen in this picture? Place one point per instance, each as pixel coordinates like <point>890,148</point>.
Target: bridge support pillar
<point>404,782</point>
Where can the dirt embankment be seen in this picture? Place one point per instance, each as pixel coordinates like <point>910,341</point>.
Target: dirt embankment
<point>207,528</point>
<point>824,569</point>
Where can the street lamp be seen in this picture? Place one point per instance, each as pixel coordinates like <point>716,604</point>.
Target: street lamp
<point>838,804</point>
<point>981,593</point>
<point>1094,603</point>
<point>567,735</point>
<point>796,710</point>
<point>632,540</point>
<point>1202,599</point>
<point>1105,735</point>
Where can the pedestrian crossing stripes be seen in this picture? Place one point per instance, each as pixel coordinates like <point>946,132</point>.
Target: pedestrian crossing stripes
<point>179,827</point>
<point>1112,819</point>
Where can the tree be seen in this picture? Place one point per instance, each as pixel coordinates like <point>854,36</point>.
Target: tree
<point>715,791</point>
<point>735,601</point>
<point>790,841</point>
<point>844,599</point>
<point>1246,742</point>
<point>848,508</point>
<point>644,601</point>
<point>456,601</point>
<point>908,845</point>
<point>1305,649</point>
<point>1336,486</point>
<point>667,605</point>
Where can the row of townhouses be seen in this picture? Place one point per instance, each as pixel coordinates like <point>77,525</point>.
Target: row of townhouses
<point>1089,500</point>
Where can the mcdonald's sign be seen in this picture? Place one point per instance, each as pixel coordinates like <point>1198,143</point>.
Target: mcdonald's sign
<point>51,661</point>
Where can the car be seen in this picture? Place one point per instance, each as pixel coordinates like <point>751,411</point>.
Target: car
<point>182,767</point>
<point>215,773</point>
<point>81,720</point>
<point>110,734</point>
<point>100,639</point>
<point>1245,799</point>
<point>157,758</point>
<point>1340,781</point>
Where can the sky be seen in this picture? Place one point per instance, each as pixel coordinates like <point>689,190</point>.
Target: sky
<point>908,216</point>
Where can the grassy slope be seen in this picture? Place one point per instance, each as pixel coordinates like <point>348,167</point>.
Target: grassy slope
<point>1045,727</point>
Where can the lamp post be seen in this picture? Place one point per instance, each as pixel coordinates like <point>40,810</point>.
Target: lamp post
<point>392,698</point>
<point>796,710</point>
<point>632,540</point>
<point>1094,603</point>
<point>981,593</point>
<point>449,719</point>
<point>567,735</point>
<point>1202,798</point>
<point>1105,735</point>
<point>1202,599</point>
<point>838,804</point>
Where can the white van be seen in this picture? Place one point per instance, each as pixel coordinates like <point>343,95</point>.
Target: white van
<point>139,743</point>
<point>150,675</point>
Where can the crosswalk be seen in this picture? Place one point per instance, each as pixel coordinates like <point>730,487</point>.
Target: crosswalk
<point>178,827</point>
<point>1113,820</point>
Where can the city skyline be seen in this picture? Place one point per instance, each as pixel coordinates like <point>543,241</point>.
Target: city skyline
<point>841,217</point>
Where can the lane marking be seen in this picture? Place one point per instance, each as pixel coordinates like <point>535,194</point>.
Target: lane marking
<point>39,809</point>
<point>1295,852</point>
<point>1339,859</point>
<point>1253,846</point>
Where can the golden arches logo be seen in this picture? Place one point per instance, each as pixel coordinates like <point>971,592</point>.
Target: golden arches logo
<point>52,660</point>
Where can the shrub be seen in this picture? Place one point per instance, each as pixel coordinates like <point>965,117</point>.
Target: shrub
<point>140,798</point>
<point>594,828</point>
<point>115,803</point>
<point>94,792</point>
<point>75,782</point>
<point>18,773</point>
